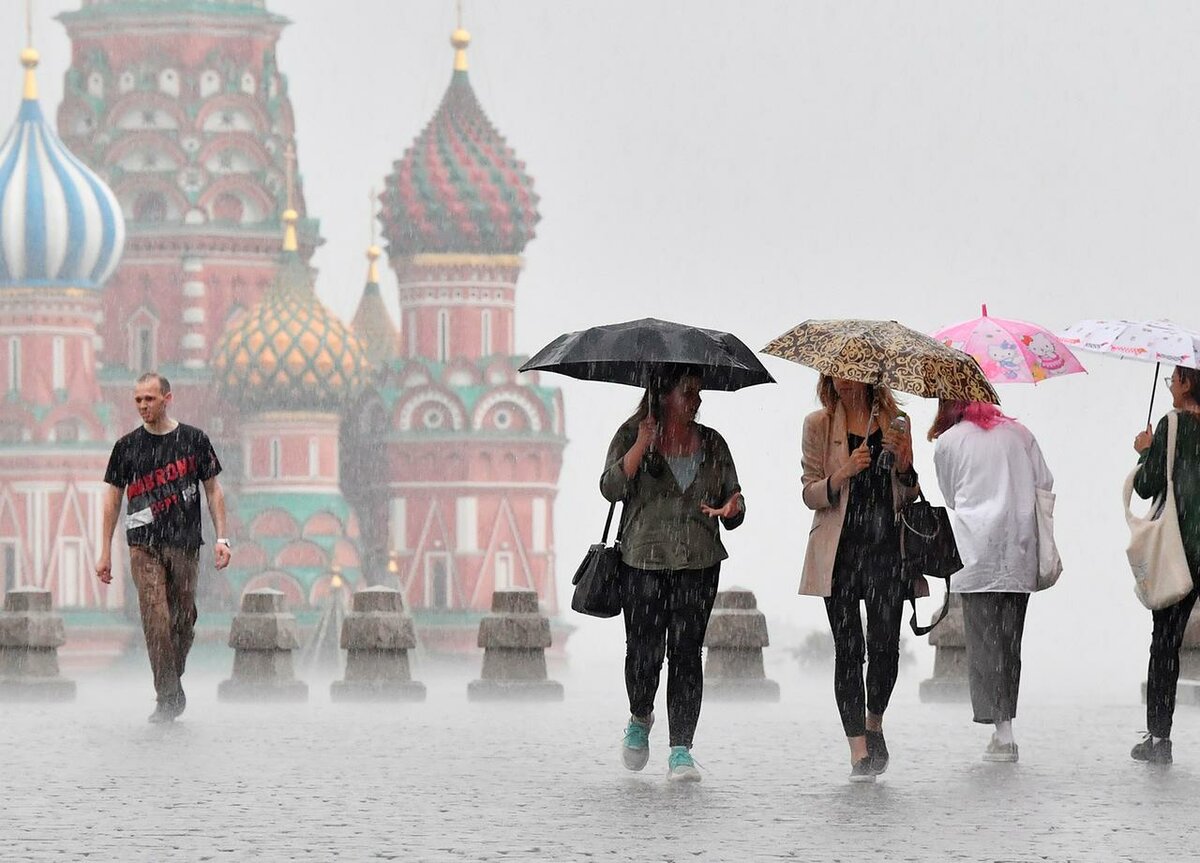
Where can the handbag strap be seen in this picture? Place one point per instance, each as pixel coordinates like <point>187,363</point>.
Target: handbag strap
<point>941,615</point>
<point>1172,430</point>
<point>608,523</point>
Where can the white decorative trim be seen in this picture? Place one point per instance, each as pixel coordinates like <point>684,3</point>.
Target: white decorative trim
<point>515,397</point>
<point>455,408</point>
<point>193,341</point>
<point>194,315</point>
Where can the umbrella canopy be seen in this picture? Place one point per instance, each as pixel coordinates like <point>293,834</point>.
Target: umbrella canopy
<point>1155,342</point>
<point>640,353</point>
<point>1149,341</point>
<point>1011,352</point>
<point>885,352</point>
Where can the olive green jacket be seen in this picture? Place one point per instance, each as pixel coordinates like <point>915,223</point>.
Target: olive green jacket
<point>1151,480</point>
<point>663,527</point>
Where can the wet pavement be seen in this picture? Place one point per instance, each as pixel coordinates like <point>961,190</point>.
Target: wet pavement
<point>449,780</point>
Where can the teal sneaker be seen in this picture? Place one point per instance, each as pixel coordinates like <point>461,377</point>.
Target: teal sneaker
<point>635,748</point>
<point>680,766</point>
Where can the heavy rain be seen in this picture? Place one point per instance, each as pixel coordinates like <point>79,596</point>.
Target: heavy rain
<point>599,431</point>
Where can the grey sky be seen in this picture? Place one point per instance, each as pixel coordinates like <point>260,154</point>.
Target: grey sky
<point>750,165</point>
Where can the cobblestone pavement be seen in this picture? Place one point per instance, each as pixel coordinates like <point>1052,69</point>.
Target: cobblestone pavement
<point>449,780</point>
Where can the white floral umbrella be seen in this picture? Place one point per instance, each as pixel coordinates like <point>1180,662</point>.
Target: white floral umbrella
<point>1157,342</point>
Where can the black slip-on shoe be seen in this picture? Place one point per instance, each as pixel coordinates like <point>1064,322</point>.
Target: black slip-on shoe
<point>1153,752</point>
<point>877,751</point>
<point>862,770</point>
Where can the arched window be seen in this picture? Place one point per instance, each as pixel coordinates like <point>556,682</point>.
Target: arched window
<point>314,456</point>
<point>150,207</point>
<point>59,363</point>
<point>228,208</point>
<point>443,335</point>
<point>485,333</point>
<point>141,347</point>
<point>14,365</point>
<point>66,431</point>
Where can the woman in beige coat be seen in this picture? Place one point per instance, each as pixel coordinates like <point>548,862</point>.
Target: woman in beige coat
<point>853,551</point>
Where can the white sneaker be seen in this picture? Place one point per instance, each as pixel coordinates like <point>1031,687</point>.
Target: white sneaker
<point>1000,753</point>
<point>635,747</point>
<point>681,767</point>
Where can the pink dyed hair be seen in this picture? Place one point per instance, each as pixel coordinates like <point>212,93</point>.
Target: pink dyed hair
<point>951,413</point>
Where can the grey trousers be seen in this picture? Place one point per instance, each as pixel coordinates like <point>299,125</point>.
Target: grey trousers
<point>994,624</point>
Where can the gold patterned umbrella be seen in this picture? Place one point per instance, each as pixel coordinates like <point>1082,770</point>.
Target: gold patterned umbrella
<point>884,352</point>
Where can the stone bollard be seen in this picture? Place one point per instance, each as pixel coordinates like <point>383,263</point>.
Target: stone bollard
<point>736,636</point>
<point>950,680</point>
<point>30,635</point>
<point>263,637</point>
<point>514,638</point>
<point>377,636</point>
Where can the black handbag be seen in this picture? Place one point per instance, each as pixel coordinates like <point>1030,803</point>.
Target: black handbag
<point>598,579</point>
<point>927,547</point>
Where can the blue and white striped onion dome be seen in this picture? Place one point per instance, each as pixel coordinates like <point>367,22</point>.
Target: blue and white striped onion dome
<point>60,226</point>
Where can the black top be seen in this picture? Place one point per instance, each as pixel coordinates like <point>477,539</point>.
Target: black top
<point>161,475</point>
<point>870,514</point>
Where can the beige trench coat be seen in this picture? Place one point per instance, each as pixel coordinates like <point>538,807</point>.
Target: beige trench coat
<point>823,453</point>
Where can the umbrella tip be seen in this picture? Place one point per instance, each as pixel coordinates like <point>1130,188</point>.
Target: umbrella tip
<point>985,310</point>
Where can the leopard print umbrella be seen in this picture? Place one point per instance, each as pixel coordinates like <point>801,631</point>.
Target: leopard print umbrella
<point>884,352</point>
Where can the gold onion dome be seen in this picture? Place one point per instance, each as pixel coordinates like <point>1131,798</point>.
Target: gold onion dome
<point>289,352</point>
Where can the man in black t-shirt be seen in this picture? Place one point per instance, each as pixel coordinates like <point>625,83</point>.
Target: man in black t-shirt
<point>160,468</point>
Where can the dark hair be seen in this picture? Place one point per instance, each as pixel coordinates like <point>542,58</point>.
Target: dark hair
<point>1191,377</point>
<point>164,385</point>
<point>666,380</point>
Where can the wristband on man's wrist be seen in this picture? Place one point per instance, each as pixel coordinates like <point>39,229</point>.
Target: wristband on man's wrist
<point>224,541</point>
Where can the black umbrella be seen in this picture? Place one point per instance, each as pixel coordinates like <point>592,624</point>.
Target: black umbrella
<point>642,353</point>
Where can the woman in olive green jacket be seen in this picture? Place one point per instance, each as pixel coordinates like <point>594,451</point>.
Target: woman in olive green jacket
<point>676,479</point>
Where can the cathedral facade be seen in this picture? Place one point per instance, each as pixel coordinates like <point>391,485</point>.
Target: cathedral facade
<point>164,228</point>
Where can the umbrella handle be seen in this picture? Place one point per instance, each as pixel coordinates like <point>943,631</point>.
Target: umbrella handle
<point>1153,390</point>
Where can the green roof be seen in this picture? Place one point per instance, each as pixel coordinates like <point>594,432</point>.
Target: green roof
<point>246,9</point>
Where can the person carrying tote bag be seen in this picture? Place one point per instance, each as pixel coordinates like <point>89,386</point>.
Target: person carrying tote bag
<point>991,473</point>
<point>1168,471</point>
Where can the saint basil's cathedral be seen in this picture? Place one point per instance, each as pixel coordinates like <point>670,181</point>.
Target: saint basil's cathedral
<point>163,227</point>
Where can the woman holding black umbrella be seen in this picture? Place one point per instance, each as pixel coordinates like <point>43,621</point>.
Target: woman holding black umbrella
<point>677,480</point>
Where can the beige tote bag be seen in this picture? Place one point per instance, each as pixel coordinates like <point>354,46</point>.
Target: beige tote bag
<point>1161,573</point>
<point>1050,565</point>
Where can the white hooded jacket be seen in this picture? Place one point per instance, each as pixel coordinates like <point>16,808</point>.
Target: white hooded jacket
<point>989,480</point>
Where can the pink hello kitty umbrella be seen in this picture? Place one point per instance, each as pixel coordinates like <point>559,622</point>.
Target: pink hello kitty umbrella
<point>1011,352</point>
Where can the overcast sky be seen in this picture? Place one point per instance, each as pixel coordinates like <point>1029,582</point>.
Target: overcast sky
<point>750,165</point>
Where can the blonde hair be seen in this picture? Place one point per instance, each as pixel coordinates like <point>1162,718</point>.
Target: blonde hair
<point>882,399</point>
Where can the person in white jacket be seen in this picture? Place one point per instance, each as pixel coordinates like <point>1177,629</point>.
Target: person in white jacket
<point>989,468</point>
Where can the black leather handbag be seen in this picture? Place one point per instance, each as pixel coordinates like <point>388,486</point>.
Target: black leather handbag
<point>598,579</point>
<point>927,547</point>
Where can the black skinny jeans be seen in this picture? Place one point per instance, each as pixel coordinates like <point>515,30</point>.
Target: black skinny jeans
<point>1162,676</point>
<point>859,575</point>
<point>666,615</point>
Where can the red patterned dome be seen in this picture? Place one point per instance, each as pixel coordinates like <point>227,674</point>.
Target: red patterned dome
<point>459,187</point>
